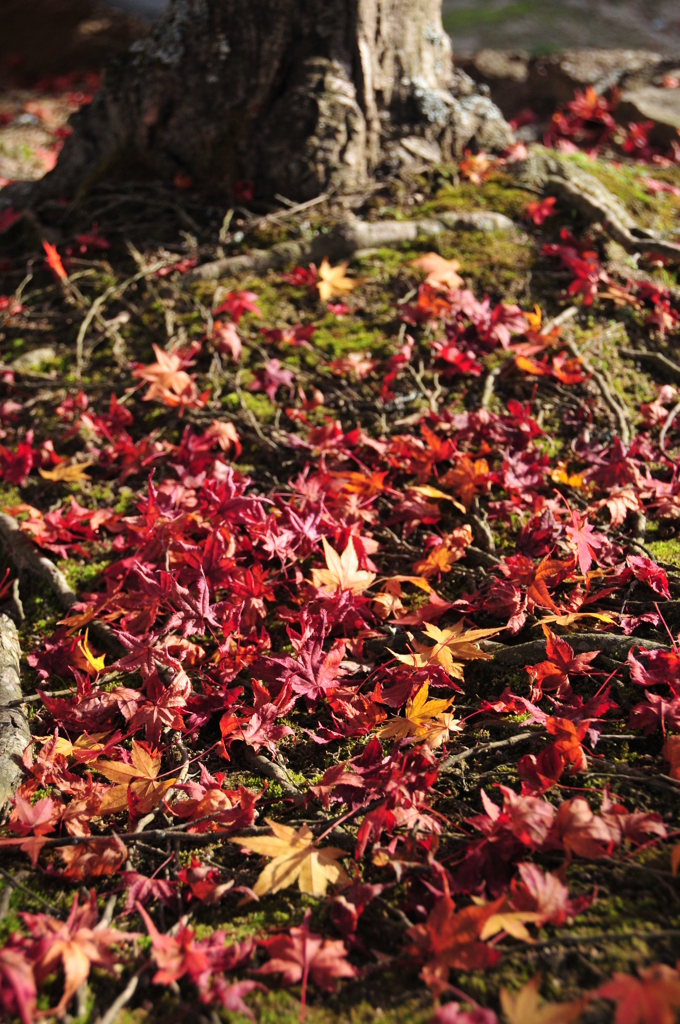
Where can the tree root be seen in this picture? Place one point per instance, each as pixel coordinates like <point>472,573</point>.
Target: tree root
<point>653,357</point>
<point>533,651</point>
<point>607,396</point>
<point>270,769</point>
<point>31,564</point>
<point>348,237</point>
<point>14,732</point>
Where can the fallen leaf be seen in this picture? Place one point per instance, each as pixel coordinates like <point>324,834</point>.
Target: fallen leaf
<point>342,572</point>
<point>652,998</point>
<point>333,281</point>
<point>421,715</point>
<point>67,472</point>
<point>295,858</point>
<point>527,1007</point>
<point>452,647</point>
<point>441,273</point>
<point>138,781</point>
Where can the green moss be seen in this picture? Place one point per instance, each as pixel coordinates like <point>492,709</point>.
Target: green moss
<point>499,193</point>
<point>666,550</point>
<point>337,337</point>
<point>260,406</point>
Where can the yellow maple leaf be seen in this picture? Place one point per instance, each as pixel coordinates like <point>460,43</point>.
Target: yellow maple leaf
<point>425,720</point>
<point>342,572</point>
<point>295,858</point>
<point>569,618</point>
<point>67,472</point>
<point>452,647</point>
<point>433,492</point>
<point>512,922</point>
<point>333,281</point>
<point>97,663</point>
<point>140,778</point>
<point>526,1007</point>
<point>441,273</point>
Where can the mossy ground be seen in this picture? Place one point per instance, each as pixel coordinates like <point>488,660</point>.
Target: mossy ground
<point>505,266</point>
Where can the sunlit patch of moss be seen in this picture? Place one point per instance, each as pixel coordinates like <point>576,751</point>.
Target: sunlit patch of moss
<point>260,406</point>
<point>499,193</point>
<point>666,550</point>
<point>659,212</point>
<point>337,337</point>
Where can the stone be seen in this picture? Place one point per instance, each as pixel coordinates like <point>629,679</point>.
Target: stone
<point>33,360</point>
<point>648,103</point>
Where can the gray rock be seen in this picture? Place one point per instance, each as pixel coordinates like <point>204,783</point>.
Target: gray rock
<point>649,103</point>
<point>34,359</point>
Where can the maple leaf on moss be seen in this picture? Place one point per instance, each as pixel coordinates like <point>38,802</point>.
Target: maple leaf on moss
<point>137,784</point>
<point>295,859</point>
<point>453,647</point>
<point>441,273</point>
<point>527,1007</point>
<point>333,281</point>
<point>450,941</point>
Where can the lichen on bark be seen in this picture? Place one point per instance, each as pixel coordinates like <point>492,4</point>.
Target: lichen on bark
<point>297,95</point>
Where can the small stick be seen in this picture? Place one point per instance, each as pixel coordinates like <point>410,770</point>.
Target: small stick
<point>667,425</point>
<point>123,999</point>
<point>14,732</point>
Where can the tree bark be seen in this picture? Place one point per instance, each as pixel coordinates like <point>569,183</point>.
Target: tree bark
<point>298,96</point>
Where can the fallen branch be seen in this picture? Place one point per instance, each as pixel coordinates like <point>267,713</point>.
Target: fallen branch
<point>123,999</point>
<point>14,732</point>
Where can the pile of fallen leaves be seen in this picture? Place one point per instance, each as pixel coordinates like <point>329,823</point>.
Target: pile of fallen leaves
<point>279,679</point>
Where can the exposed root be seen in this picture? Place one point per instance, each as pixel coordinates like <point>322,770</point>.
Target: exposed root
<point>652,357</point>
<point>31,564</point>
<point>14,732</point>
<point>270,769</point>
<point>347,238</point>
<point>607,396</point>
<point>534,651</point>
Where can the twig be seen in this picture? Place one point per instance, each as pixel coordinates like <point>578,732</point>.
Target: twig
<point>123,999</point>
<point>11,880</point>
<point>667,426</point>
<point>567,314</point>
<point>14,732</point>
<point>489,385</point>
<point>609,400</point>
<point>483,747</point>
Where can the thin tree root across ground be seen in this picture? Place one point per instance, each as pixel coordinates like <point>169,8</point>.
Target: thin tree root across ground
<point>370,682</point>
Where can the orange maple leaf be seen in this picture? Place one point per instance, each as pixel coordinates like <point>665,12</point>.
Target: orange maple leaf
<point>652,998</point>
<point>450,940</point>
<point>467,478</point>
<point>138,781</point>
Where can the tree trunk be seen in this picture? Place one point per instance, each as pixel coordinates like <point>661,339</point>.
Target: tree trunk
<point>296,95</point>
